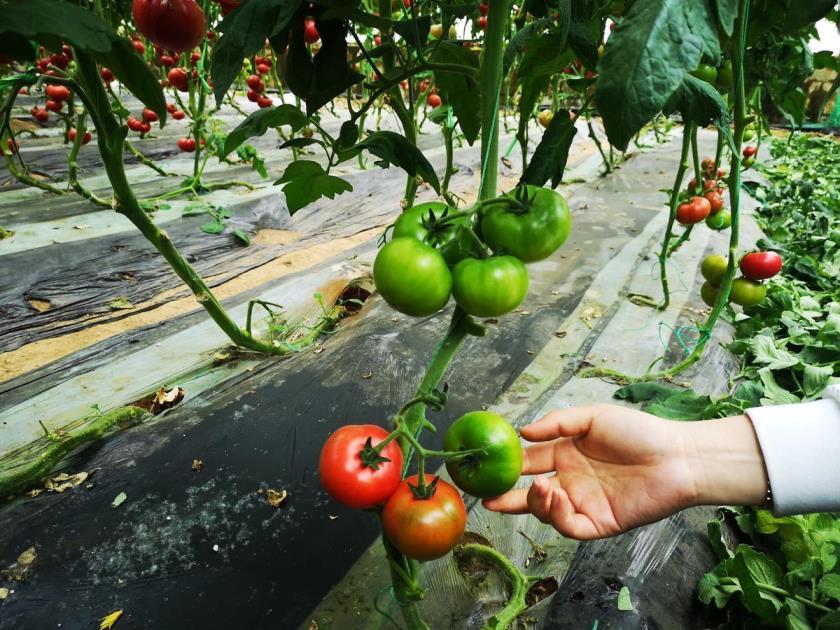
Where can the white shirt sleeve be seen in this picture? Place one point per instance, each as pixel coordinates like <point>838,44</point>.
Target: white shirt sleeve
<point>801,448</point>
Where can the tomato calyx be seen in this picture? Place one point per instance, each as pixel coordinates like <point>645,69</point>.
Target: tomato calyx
<point>371,456</point>
<point>424,491</point>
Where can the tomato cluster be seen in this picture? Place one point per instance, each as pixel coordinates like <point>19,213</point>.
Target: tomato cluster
<point>710,206</point>
<point>361,467</point>
<point>256,91</point>
<point>720,75</point>
<point>436,252</point>
<point>746,290</point>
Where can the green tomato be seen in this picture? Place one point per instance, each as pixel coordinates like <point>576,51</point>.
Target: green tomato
<point>452,241</point>
<point>492,472</point>
<point>747,292</point>
<point>714,268</point>
<point>533,233</point>
<point>749,134</point>
<point>709,293</point>
<point>719,220</point>
<point>748,162</point>
<point>412,277</point>
<point>489,287</point>
<point>705,72</point>
<point>724,74</point>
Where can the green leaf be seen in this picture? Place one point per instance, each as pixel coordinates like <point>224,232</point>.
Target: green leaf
<point>213,227</point>
<point>812,569</point>
<point>698,102</point>
<point>551,154</point>
<point>463,93</point>
<point>717,587</point>
<point>829,586</point>
<point>716,541</point>
<point>459,10</point>
<point>751,566</point>
<point>641,392</point>
<point>520,41</point>
<point>583,43</point>
<point>17,47</point>
<point>244,32</point>
<point>546,55</point>
<point>134,73</point>
<point>260,121</point>
<point>727,11</point>
<point>242,236</point>
<point>406,30</point>
<point>119,500</point>
<point>830,621</point>
<point>348,135</point>
<point>306,181</point>
<point>773,392</point>
<point>645,61</point>
<point>766,352</point>
<point>684,405</point>
<point>624,602</point>
<point>392,148</point>
<point>816,379</point>
<point>797,617</point>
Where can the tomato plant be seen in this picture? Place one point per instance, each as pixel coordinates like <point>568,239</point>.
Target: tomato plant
<point>424,528</point>
<point>353,473</point>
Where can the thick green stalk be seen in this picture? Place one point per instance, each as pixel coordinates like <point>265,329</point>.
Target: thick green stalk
<point>73,166</point>
<point>490,81</point>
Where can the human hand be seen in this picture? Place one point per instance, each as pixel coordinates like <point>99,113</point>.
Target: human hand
<point>618,468</point>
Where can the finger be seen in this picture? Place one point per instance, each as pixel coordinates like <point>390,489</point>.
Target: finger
<point>538,458</point>
<point>513,502</point>
<point>539,499</point>
<point>567,521</point>
<point>571,422</point>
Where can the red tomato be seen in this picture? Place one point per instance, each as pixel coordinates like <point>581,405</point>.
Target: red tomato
<point>149,115</point>
<point>750,151</point>
<point>178,79</point>
<point>377,39</point>
<point>760,265</point>
<point>57,92</point>
<point>694,211</point>
<point>60,60</point>
<point>715,200</point>
<point>347,477</point>
<point>134,124</point>
<point>170,107</point>
<point>54,106</point>
<point>177,25</point>
<point>483,8</point>
<point>424,85</point>
<point>145,127</point>
<point>263,68</point>
<point>106,75</point>
<point>186,144</point>
<point>85,138</point>
<point>253,96</point>
<point>310,33</point>
<point>264,102</point>
<point>433,100</point>
<point>482,22</point>
<point>139,46</point>
<point>178,114</point>
<point>211,35</point>
<point>424,529</point>
<point>41,115</point>
<point>166,61</point>
<point>195,57</point>
<point>23,90</point>
<point>255,83</point>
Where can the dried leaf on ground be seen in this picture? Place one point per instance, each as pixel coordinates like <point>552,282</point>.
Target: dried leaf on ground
<point>4,593</point>
<point>165,399</point>
<point>108,621</point>
<point>275,498</point>
<point>119,499</point>
<point>591,313</point>
<point>197,464</point>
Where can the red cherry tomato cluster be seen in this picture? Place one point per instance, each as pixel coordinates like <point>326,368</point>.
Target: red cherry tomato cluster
<point>718,218</point>
<point>71,136</point>
<point>140,126</point>
<point>263,64</point>
<point>176,113</point>
<point>256,91</point>
<point>40,114</point>
<point>177,25</point>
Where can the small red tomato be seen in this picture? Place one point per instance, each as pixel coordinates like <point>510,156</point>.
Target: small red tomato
<point>178,114</point>
<point>424,85</point>
<point>60,60</point>
<point>482,22</point>
<point>54,106</point>
<point>145,127</point>
<point>424,529</point>
<point>12,145</point>
<point>23,90</point>
<point>133,124</point>
<point>178,79</point>
<point>166,61</point>
<point>186,144</point>
<point>694,211</point>
<point>106,75</point>
<point>721,173</point>
<point>255,83</point>
<point>433,100</point>
<point>264,102</point>
<point>310,33</point>
<point>85,138</point>
<point>749,151</point>
<point>139,46</point>
<point>715,200</point>
<point>377,39</point>
<point>67,51</point>
<point>149,115</point>
<point>211,35</point>
<point>263,68</point>
<point>41,115</point>
<point>760,265</point>
<point>352,474</point>
<point>195,57</point>
<point>253,96</point>
<point>170,107</point>
<point>57,92</point>
<point>484,8</point>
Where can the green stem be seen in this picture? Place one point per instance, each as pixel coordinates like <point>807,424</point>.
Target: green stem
<point>73,167</point>
<point>519,584</point>
<point>802,600</point>
<point>140,157</point>
<point>490,81</point>
<point>607,165</point>
<point>672,216</point>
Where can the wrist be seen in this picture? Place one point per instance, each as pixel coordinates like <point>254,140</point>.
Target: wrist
<point>725,463</point>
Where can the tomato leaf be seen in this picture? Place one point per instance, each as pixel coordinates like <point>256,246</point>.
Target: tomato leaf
<point>520,41</point>
<point>306,181</point>
<point>244,31</point>
<point>392,148</point>
<point>645,61</point>
<point>546,55</point>
<point>260,121</point>
<point>727,11</point>
<point>462,92</point>
<point>583,43</point>
<point>550,156</point>
<point>133,72</point>
<point>700,103</point>
<point>414,32</point>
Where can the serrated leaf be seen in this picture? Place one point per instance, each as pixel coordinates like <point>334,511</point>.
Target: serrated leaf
<point>816,378</point>
<point>260,121</point>
<point>766,353</point>
<point>645,61</point>
<point>698,102</point>
<point>552,153</point>
<point>392,148</point>
<point>727,11</point>
<point>546,55</point>
<point>829,586</point>
<point>306,181</point>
